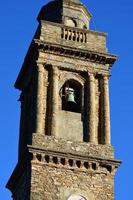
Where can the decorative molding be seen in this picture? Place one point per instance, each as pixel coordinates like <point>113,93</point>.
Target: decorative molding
<point>92,56</point>
<point>73,161</point>
<point>64,77</point>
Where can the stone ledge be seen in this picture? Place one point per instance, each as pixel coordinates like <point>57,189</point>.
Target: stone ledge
<point>73,162</point>
<point>74,147</point>
<point>93,56</point>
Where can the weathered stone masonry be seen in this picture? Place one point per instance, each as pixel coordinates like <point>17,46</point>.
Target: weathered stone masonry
<point>65,140</point>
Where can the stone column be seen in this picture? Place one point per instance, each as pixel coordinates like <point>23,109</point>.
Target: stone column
<point>92,109</point>
<point>40,99</point>
<point>55,93</point>
<point>106,109</point>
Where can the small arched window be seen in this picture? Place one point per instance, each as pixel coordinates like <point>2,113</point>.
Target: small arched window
<point>71,96</point>
<point>71,22</point>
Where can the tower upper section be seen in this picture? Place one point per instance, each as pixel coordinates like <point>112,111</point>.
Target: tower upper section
<point>64,82</point>
<point>68,12</point>
<point>67,23</point>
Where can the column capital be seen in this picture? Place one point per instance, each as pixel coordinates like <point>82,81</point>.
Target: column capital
<point>40,67</point>
<point>91,76</point>
<point>55,67</point>
<point>55,70</point>
<point>106,81</point>
<point>105,77</point>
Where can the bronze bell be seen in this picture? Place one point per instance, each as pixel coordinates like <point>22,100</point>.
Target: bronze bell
<point>70,96</point>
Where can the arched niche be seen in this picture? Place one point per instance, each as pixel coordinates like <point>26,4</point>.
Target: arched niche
<point>71,22</point>
<point>69,116</point>
<point>68,76</point>
<point>72,96</point>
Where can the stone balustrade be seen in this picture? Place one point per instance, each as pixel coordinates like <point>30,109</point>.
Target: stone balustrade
<point>74,35</point>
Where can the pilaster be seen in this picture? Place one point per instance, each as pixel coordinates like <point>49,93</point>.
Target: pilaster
<point>41,91</point>
<point>106,109</point>
<point>54,102</point>
<point>92,109</point>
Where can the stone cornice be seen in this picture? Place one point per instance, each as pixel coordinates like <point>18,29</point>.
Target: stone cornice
<point>61,50</point>
<point>92,56</point>
<point>74,156</point>
<point>71,161</point>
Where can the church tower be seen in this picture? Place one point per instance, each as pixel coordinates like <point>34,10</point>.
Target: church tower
<point>65,151</point>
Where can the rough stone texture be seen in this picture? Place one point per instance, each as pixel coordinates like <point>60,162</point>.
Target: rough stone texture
<point>50,182</point>
<point>69,146</point>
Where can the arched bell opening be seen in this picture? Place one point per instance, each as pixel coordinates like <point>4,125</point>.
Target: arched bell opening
<point>71,110</point>
<point>72,96</point>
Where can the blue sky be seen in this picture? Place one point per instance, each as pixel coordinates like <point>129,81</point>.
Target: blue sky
<point>18,24</point>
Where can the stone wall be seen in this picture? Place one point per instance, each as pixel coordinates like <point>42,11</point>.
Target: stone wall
<point>77,14</point>
<point>51,182</point>
<point>67,128</point>
<point>74,147</point>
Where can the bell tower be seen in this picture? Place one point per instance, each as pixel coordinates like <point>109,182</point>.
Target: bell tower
<point>65,150</point>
